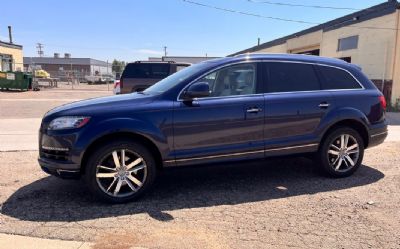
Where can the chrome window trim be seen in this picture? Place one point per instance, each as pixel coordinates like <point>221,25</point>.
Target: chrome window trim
<point>269,60</point>
<point>241,153</point>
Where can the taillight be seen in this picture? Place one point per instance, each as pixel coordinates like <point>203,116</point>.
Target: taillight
<point>382,100</point>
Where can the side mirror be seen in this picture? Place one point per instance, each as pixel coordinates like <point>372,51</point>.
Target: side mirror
<point>197,90</point>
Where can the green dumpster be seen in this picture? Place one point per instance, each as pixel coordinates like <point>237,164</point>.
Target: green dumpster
<point>15,81</point>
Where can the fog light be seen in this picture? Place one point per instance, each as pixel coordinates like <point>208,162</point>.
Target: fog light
<point>54,148</point>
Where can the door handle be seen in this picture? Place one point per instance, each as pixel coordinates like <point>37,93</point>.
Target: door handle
<point>324,105</point>
<point>254,110</point>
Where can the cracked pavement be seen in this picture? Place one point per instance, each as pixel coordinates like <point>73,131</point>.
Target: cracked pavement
<point>279,203</point>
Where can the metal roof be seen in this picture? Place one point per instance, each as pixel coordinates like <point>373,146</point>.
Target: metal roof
<point>379,10</point>
<point>10,45</point>
<point>65,61</point>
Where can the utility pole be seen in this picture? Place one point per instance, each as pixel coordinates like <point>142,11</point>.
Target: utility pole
<point>258,42</point>
<point>165,51</point>
<point>40,51</point>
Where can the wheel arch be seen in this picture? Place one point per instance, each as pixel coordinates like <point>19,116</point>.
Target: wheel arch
<point>122,135</point>
<point>355,124</point>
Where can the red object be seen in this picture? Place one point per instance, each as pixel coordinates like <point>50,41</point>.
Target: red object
<point>382,100</point>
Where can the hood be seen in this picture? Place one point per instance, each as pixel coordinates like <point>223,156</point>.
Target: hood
<point>100,105</point>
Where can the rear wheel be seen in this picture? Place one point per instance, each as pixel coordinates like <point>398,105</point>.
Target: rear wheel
<point>120,171</point>
<point>341,152</point>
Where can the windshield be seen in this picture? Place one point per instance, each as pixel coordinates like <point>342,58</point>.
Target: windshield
<point>175,79</point>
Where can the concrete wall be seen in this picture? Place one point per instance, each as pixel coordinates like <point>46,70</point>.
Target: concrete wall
<point>376,53</point>
<point>16,54</point>
<point>375,46</point>
<point>396,66</point>
<point>309,40</point>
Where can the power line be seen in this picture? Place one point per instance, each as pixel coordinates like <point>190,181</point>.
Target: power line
<point>248,13</point>
<point>39,47</point>
<point>279,18</point>
<point>303,5</point>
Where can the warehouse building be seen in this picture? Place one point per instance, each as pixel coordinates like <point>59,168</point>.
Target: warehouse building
<point>10,55</point>
<point>64,67</point>
<point>369,38</point>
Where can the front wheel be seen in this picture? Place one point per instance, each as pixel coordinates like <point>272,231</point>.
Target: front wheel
<point>341,152</point>
<point>120,171</point>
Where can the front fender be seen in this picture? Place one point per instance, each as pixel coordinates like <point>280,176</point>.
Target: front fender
<point>119,125</point>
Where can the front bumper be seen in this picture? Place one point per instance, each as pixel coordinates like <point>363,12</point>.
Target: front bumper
<point>60,169</point>
<point>57,156</point>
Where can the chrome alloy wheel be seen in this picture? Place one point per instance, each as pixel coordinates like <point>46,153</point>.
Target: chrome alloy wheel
<point>121,173</point>
<point>343,153</point>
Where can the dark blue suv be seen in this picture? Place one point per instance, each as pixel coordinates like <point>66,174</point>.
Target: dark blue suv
<point>246,107</point>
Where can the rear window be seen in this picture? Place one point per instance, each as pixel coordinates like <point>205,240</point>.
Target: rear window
<point>334,78</point>
<point>146,70</point>
<point>291,77</point>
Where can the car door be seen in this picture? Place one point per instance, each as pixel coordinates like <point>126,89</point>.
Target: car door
<point>228,124</point>
<point>294,107</point>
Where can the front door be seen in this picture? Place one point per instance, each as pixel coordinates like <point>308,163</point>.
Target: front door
<point>229,124</point>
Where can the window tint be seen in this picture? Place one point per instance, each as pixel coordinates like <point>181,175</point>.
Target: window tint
<point>233,80</point>
<point>334,78</point>
<point>291,77</point>
<point>146,70</point>
<point>348,43</point>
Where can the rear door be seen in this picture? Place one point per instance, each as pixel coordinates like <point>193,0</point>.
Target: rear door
<point>295,106</point>
<point>229,124</point>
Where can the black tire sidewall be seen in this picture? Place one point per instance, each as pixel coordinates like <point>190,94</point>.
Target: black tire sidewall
<point>322,153</point>
<point>94,160</point>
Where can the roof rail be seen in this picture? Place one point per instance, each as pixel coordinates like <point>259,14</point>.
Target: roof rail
<point>155,61</point>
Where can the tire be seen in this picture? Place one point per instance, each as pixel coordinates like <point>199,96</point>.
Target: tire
<point>337,161</point>
<point>104,181</point>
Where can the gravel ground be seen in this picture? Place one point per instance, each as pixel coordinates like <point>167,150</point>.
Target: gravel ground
<point>280,203</point>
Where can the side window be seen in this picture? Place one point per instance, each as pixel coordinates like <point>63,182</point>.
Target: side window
<point>334,78</point>
<point>159,71</point>
<point>291,77</point>
<point>232,80</point>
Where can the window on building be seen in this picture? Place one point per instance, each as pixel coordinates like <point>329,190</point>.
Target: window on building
<point>6,62</point>
<point>348,43</point>
<point>334,78</point>
<point>291,77</point>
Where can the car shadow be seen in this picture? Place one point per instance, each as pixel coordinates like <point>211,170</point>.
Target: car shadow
<point>53,199</point>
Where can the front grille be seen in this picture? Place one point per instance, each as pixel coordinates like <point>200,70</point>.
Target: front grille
<point>54,154</point>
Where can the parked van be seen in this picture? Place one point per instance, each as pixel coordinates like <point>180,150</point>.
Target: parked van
<point>139,75</point>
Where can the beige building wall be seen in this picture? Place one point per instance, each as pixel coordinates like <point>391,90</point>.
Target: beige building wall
<point>396,66</point>
<point>278,49</point>
<point>305,42</point>
<point>378,51</point>
<point>16,54</point>
<point>375,52</point>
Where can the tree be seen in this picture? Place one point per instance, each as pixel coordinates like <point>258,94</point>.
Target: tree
<point>118,66</point>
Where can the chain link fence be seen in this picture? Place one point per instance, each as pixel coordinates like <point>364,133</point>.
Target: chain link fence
<point>68,76</point>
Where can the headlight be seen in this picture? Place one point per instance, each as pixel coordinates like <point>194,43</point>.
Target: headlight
<point>68,123</point>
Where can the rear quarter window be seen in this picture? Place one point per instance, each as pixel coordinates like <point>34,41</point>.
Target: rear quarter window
<point>291,77</point>
<point>335,78</point>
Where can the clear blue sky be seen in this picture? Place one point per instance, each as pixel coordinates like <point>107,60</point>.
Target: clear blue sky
<point>135,29</point>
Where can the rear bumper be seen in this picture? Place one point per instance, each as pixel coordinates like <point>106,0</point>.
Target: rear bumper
<point>377,134</point>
